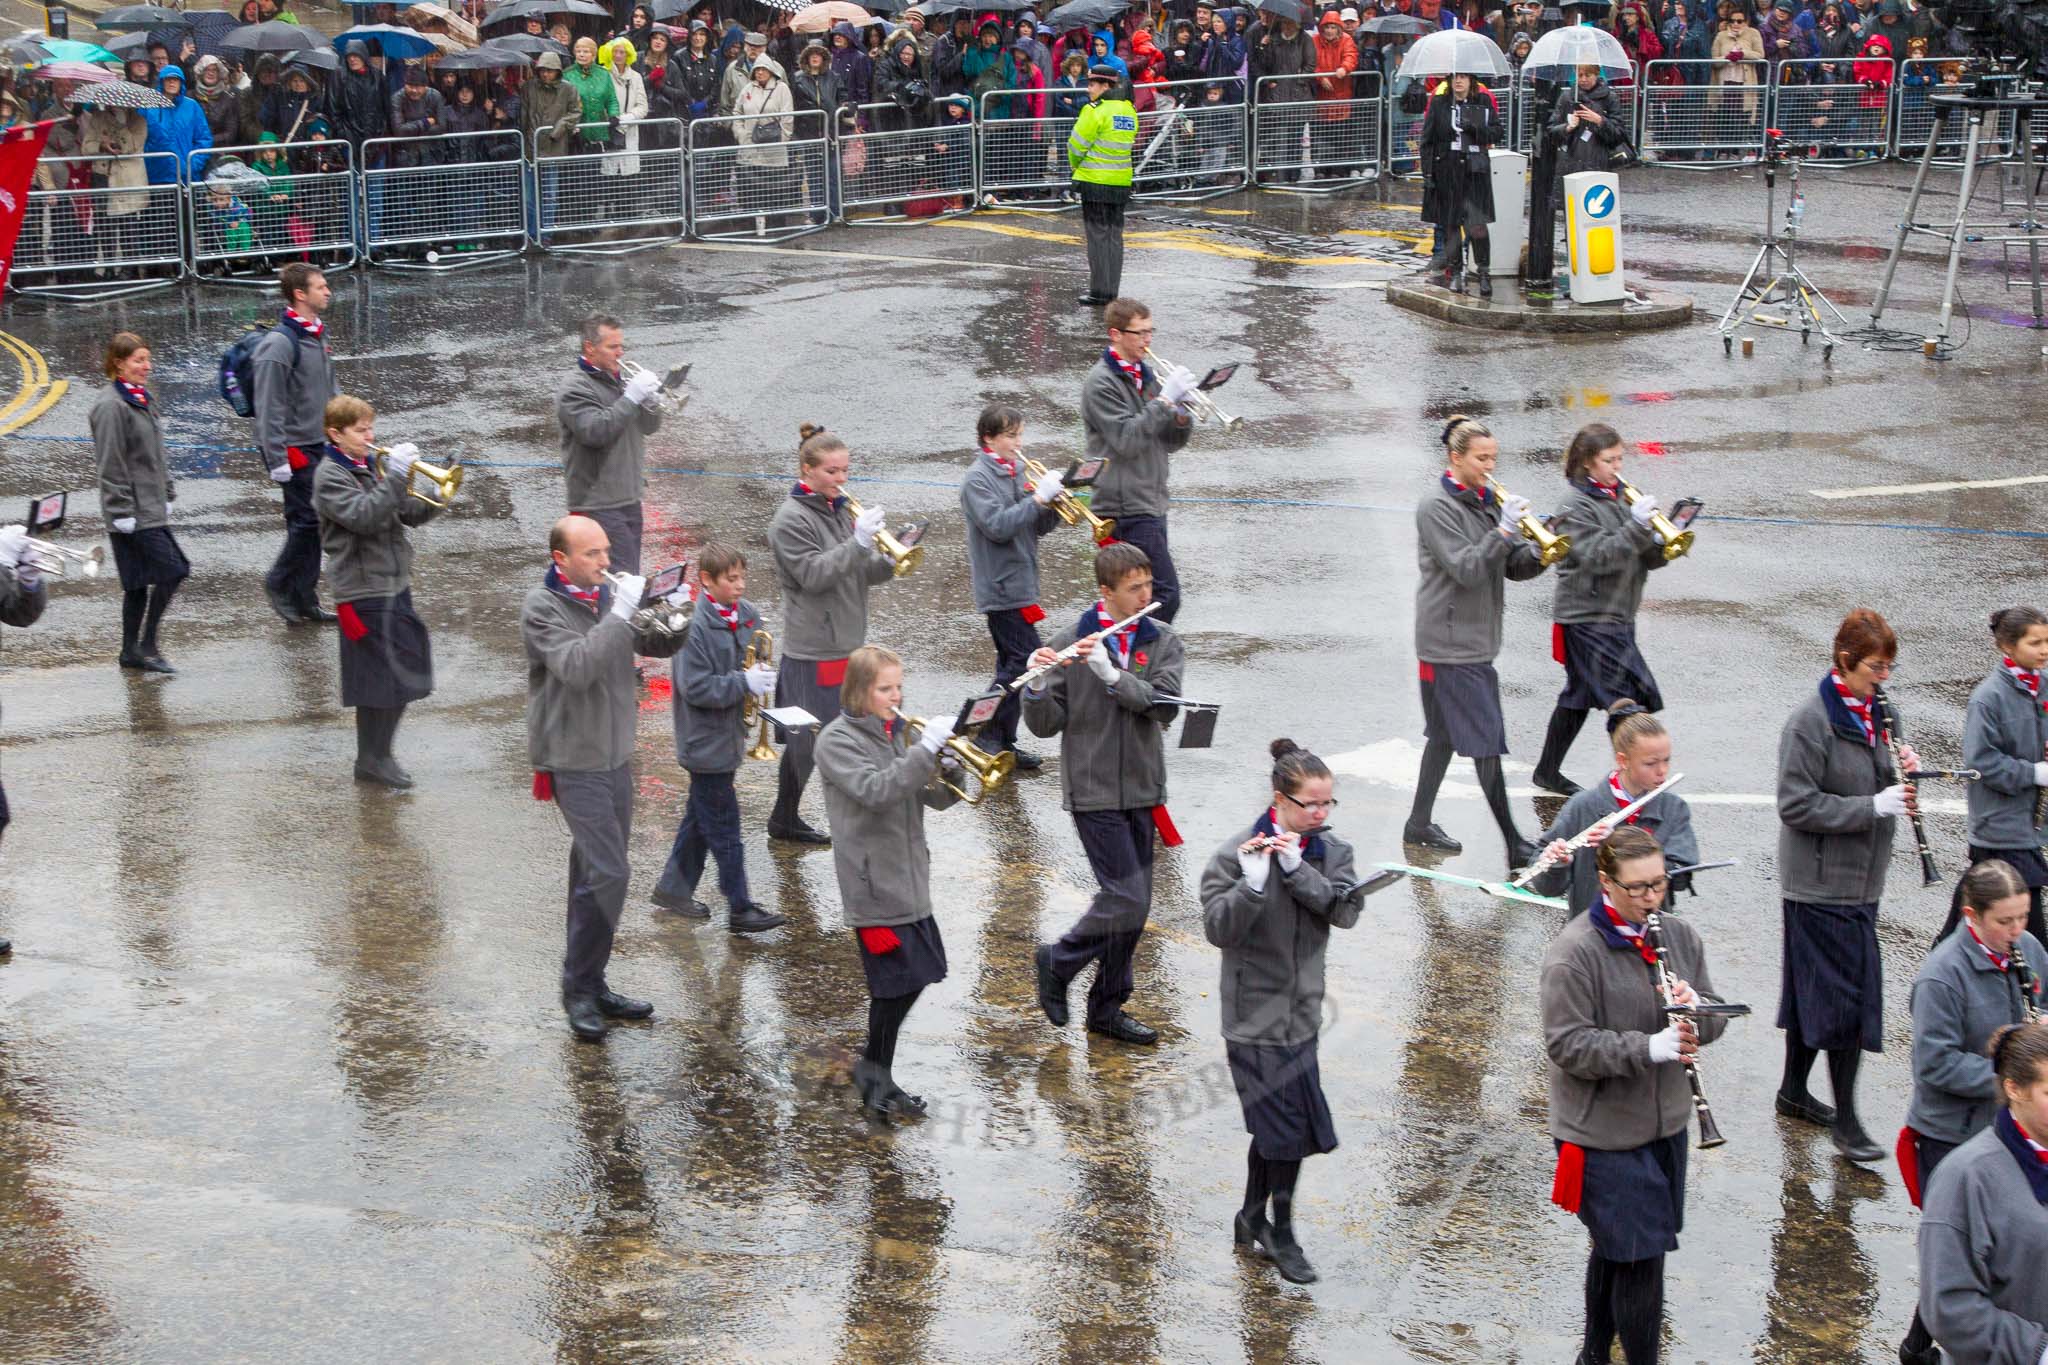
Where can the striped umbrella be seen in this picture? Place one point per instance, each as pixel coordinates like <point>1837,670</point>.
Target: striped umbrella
<point>119,95</point>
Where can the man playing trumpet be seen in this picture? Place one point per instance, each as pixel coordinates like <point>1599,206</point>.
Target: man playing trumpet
<point>1135,421</point>
<point>606,418</point>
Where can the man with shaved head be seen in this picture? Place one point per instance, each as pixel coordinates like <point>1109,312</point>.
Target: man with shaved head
<point>582,695</point>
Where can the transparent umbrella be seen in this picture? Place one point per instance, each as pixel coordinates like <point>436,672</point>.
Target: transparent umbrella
<point>1559,53</point>
<point>1454,52</point>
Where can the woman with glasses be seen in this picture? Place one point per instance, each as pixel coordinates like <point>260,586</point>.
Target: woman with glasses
<point>1839,803</point>
<point>1642,763</point>
<point>1619,1105</point>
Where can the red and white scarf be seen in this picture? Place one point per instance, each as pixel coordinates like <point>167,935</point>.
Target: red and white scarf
<point>1604,490</point>
<point>1119,643</point>
<point>1001,462</point>
<point>2001,961</point>
<point>2029,680</point>
<point>137,396</point>
<point>730,615</point>
<point>2040,1152</point>
<point>1621,796</point>
<point>1133,370</point>
<point>587,596</point>
<point>1632,932</point>
<point>312,327</point>
<point>1859,707</point>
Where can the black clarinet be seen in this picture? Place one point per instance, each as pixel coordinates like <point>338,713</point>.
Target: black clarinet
<point>1710,1131</point>
<point>1929,876</point>
<point>2024,974</point>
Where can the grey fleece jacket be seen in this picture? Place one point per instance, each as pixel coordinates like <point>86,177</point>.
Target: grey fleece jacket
<point>710,692</point>
<point>1135,434</point>
<point>1004,523</point>
<point>2005,733</point>
<point>135,478</point>
<point>1601,581</point>
<point>1983,1242</point>
<point>1600,1006</point>
<point>1112,739</point>
<point>1465,563</point>
<point>293,378</point>
<point>363,520</point>
<point>1833,846</point>
<point>604,441</point>
<point>582,694</point>
<point>1959,1000</point>
<point>877,789</point>
<point>825,576</point>
<point>1667,817</point>
<point>1274,940</point>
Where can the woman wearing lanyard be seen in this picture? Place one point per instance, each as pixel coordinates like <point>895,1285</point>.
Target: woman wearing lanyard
<point>136,494</point>
<point>2005,738</point>
<point>1642,763</point>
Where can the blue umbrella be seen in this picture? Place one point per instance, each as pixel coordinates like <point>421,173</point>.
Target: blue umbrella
<point>402,43</point>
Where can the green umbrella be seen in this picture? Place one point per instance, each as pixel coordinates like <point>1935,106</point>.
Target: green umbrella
<point>71,50</point>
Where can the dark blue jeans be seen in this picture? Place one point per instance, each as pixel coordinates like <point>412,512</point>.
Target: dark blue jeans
<point>710,825</point>
<point>296,572</point>
<point>1119,848</point>
<point>1149,535</point>
<point>1015,639</point>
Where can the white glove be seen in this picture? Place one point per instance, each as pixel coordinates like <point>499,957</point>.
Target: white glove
<point>866,524</point>
<point>1177,386</point>
<point>126,526</point>
<point>935,735</point>
<point>2041,774</point>
<point>281,473</point>
<point>1101,664</point>
<point>1256,867</point>
<point>641,386</point>
<point>1891,801</point>
<point>626,595</point>
<point>1664,1046</point>
<point>13,543</point>
<point>1642,509</point>
<point>760,679</point>
<point>1289,852</point>
<point>1512,510</point>
<point>400,458</point>
<point>1047,489</point>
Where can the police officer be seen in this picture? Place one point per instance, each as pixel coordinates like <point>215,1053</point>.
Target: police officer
<point>1099,156</point>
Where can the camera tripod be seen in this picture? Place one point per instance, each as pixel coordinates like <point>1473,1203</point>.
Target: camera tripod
<point>1784,286</point>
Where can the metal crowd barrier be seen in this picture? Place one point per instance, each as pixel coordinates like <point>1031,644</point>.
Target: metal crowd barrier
<point>620,199</point>
<point>1526,115</point>
<point>1920,77</point>
<point>443,203</point>
<point>243,224</point>
<point>1025,167</point>
<point>99,241</point>
<point>1831,111</point>
<point>1342,139</point>
<point>1176,158</point>
<point>1403,141</point>
<point>896,171</point>
<point>1707,120</point>
<point>743,179</point>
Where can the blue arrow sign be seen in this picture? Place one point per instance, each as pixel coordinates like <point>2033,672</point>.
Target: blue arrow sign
<point>1599,201</point>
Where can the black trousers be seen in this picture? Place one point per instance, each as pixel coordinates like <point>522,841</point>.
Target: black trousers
<point>1015,639</point>
<point>1149,534</point>
<point>296,572</point>
<point>1103,225</point>
<point>1119,848</point>
<point>710,827</point>
<point>598,808</point>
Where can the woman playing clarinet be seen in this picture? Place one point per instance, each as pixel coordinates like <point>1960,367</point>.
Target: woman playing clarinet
<point>1839,801</point>
<point>1619,1103</point>
<point>1642,763</point>
<point>2005,738</point>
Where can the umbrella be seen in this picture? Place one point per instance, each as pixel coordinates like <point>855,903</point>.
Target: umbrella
<point>425,13</point>
<point>1454,52</point>
<point>1398,26</point>
<point>1088,14</point>
<point>272,37</point>
<point>820,18</point>
<point>120,95</point>
<point>1562,51</point>
<point>130,45</point>
<point>670,9</point>
<point>131,17</point>
<point>75,71</point>
<point>1284,9</point>
<point>394,41</point>
<point>68,50</point>
<point>489,57</point>
<point>207,27</point>
<point>318,58</point>
<point>525,44</point>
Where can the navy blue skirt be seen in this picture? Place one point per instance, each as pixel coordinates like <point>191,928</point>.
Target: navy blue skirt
<point>1281,1091</point>
<point>918,960</point>
<point>796,684</point>
<point>1831,982</point>
<point>1461,704</point>
<point>149,558</point>
<point>1633,1203</point>
<point>389,662</point>
<point>1601,666</point>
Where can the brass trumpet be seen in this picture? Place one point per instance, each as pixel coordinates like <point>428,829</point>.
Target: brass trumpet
<point>1199,404</point>
<point>1674,541</point>
<point>760,650</point>
<point>667,397</point>
<point>444,481</point>
<point>1550,546</point>
<point>990,770</point>
<point>52,560</point>
<point>904,557</point>
<point>1071,509</point>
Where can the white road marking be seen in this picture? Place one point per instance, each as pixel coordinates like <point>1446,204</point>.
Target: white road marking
<point>1895,490</point>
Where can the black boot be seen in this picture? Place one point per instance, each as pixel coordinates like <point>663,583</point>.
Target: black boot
<point>1288,1257</point>
<point>133,602</point>
<point>1482,261</point>
<point>870,1082</point>
<point>1557,742</point>
<point>586,1021</point>
<point>1850,1140</point>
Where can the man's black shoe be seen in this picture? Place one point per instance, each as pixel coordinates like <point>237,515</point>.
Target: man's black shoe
<point>748,918</point>
<point>1027,762</point>
<point>313,611</point>
<point>1125,1029</point>
<point>1522,854</point>
<point>284,607</point>
<point>1555,782</point>
<point>1091,300</point>
<point>585,1021</point>
<point>1430,836</point>
<point>688,907</point>
<point>798,833</point>
<point>1052,992</point>
<point>612,1005</point>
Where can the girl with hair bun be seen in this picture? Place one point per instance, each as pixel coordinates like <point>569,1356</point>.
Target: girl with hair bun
<point>2005,738</point>
<point>1642,763</point>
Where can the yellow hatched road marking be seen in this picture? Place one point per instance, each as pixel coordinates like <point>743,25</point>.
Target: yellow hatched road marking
<point>1172,239</point>
<point>26,406</point>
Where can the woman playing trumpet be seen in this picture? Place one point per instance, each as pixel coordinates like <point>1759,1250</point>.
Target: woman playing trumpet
<point>136,493</point>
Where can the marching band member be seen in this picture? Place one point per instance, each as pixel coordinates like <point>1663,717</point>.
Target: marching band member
<point>1619,1106</point>
<point>1969,987</point>
<point>708,700</point>
<point>1599,589</point>
<point>1112,780</point>
<point>387,661</point>
<point>1006,514</point>
<point>292,375</point>
<point>136,493</point>
<point>22,599</point>
<point>825,561</point>
<point>1642,762</point>
<point>1984,1236</point>
<point>877,786</point>
<point>582,694</point>
<point>2005,738</point>
<point>1467,547</point>
<point>1270,896</point>
<point>606,419</point>
<point>1838,803</point>
<point>1135,422</point>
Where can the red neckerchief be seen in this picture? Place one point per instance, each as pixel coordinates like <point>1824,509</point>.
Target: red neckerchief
<point>1859,707</point>
<point>2027,678</point>
<point>1121,641</point>
<point>312,327</point>
<point>1621,797</point>
<point>2040,1152</point>
<point>730,615</point>
<point>1604,490</point>
<point>889,728</point>
<point>587,596</point>
<point>1001,462</point>
<point>804,490</point>
<point>2001,961</point>
<point>1632,932</point>
<point>1456,487</point>
<point>134,394</point>
<point>1133,370</point>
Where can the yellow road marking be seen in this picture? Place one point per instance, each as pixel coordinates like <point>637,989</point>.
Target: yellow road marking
<point>23,393</point>
<point>43,405</point>
<point>35,375</point>
<point>1174,239</point>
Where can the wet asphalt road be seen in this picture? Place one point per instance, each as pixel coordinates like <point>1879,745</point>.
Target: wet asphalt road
<point>282,1072</point>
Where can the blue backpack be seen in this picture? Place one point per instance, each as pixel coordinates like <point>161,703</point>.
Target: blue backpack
<point>237,383</point>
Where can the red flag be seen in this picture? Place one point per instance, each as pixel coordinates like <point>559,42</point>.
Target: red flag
<point>19,150</point>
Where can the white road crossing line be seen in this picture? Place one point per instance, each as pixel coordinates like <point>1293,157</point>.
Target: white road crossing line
<point>1896,490</point>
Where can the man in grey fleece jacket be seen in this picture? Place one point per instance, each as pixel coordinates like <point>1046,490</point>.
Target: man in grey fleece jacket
<point>606,419</point>
<point>293,377</point>
<point>1135,422</point>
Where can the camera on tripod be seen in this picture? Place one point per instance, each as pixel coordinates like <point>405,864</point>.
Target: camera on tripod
<point>1778,147</point>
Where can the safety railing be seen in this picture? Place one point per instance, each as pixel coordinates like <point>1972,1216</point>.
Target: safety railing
<point>1403,138</point>
<point>1696,124</point>
<point>1176,157</point>
<point>105,226</point>
<point>621,195</point>
<point>1335,146</point>
<point>1841,115</point>
<point>1024,158</point>
<point>443,203</point>
<point>760,177</point>
<point>1526,114</point>
<point>904,175</point>
<point>1920,77</point>
<point>251,209</point>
